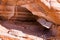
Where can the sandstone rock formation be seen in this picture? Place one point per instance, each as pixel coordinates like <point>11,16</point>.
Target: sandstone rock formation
<point>13,34</point>
<point>39,8</point>
<point>46,12</point>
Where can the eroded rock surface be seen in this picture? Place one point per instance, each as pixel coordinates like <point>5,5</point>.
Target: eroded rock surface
<point>13,34</point>
<point>24,10</point>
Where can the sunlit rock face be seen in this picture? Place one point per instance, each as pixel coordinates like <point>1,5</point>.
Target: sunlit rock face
<point>51,9</point>
<point>52,3</point>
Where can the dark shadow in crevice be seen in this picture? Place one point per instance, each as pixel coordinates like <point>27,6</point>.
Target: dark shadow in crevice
<point>28,27</point>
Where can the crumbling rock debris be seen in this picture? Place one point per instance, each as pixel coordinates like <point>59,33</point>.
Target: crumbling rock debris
<point>45,23</point>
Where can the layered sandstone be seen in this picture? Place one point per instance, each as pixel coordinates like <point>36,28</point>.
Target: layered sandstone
<point>29,10</point>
